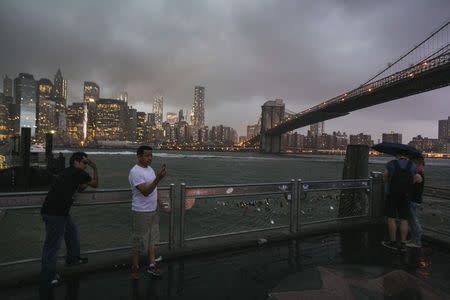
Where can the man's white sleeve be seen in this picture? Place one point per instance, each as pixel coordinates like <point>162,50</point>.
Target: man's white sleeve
<point>136,178</point>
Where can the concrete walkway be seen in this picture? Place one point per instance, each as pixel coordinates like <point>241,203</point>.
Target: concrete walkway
<point>348,265</point>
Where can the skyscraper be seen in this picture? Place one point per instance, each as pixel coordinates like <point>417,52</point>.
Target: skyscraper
<point>198,108</point>
<point>25,98</point>
<point>111,119</point>
<point>7,86</point>
<point>443,132</point>
<point>4,118</point>
<point>392,137</point>
<point>91,91</point>
<point>123,96</point>
<point>361,139</point>
<point>141,126</point>
<point>317,129</point>
<point>75,118</point>
<point>91,94</point>
<point>158,110</point>
<point>60,86</point>
<point>252,130</point>
<point>46,113</point>
<point>60,98</point>
<point>131,124</point>
<point>180,116</point>
<point>9,114</point>
<point>172,118</point>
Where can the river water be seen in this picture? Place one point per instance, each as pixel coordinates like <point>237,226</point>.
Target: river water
<point>106,226</point>
<point>204,168</point>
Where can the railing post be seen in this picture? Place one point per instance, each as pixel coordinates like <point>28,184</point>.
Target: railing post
<point>299,202</point>
<point>25,144</point>
<point>292,209</point>
<point>377,195</point>
<point>171,217</point>
<point>182,213</point>
<point>370,213</point>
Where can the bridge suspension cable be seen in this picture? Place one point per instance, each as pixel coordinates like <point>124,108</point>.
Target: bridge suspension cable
<point>428,62</point>
<point>432,41</point>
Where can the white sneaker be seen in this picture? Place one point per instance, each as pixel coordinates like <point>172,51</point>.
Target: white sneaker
<point>412,245</point>
<point>56,281</point>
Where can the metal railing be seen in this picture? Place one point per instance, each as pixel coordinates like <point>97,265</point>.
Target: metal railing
<point>33,200</point>
<point>290,196</point>
<point>246,205</point>
<point>436,210</point>
<point>437,192</point>
<point>248,195</point>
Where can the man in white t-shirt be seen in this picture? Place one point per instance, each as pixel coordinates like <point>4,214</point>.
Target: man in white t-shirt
<point>145,223</point>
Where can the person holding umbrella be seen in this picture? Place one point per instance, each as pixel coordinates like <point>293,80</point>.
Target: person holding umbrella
<point>399,178</point>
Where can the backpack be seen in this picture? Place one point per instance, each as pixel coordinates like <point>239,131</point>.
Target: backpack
<point>401,181</point>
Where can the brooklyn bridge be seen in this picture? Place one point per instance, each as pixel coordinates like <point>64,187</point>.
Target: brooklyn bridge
<point>425,67</point>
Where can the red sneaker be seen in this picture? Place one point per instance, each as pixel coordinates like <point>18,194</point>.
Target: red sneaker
<point>134,272</point>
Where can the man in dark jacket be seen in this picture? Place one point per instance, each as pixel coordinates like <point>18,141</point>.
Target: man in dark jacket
<point>58,222</point>
<point>399,178</point>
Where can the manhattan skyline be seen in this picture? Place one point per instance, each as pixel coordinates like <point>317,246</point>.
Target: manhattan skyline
<point>244,54</point>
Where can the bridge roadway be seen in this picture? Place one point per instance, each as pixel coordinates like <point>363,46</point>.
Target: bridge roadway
<point>423,77</point>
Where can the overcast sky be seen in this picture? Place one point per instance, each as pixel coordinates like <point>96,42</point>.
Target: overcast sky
<point>243,52</point>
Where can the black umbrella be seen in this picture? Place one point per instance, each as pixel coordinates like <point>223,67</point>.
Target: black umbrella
<point>398,149</point>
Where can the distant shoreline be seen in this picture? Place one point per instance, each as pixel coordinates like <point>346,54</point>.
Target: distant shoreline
<point>306,153</point>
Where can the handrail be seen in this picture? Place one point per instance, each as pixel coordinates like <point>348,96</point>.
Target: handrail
<point>292,190</point>
<point>168,190</point>
<point>239,185</point>
<point>26,200</point>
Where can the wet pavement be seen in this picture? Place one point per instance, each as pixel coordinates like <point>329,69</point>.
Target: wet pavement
<point>350,265</point>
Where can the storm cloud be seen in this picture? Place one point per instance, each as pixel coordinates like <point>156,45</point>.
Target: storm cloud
<point>243,52</point>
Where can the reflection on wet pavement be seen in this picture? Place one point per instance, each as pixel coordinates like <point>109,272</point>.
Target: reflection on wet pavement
<point>350,265</point>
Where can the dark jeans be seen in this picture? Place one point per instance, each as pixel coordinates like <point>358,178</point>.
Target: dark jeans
<point>414,222</point>
<point>57,228</point>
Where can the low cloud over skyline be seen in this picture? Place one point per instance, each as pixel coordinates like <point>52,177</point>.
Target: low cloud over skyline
<point>243,52</point>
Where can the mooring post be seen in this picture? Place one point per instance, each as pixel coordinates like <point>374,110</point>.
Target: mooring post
<point>356,166</point>
<point>25,143</point>
<point>378,203</point>
<point>49,151</point>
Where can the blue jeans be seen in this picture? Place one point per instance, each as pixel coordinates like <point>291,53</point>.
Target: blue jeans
<point>415,210</point>
<point>57,228</point>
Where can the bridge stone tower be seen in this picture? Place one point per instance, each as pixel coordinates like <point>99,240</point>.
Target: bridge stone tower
<point>272,114</point>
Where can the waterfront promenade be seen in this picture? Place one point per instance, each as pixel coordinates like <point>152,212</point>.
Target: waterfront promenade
<point>348,265</point>
<point>321,254</point>
<point>212,248</point>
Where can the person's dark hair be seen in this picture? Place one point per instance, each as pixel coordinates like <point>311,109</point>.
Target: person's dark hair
<point>141,149</point>
<point>419,161</point>
<point>77,156</point>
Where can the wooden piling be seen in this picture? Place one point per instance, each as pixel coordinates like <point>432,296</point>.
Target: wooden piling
<point>356,166</point>
<point>25,143</point>
<point>49,151</point>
